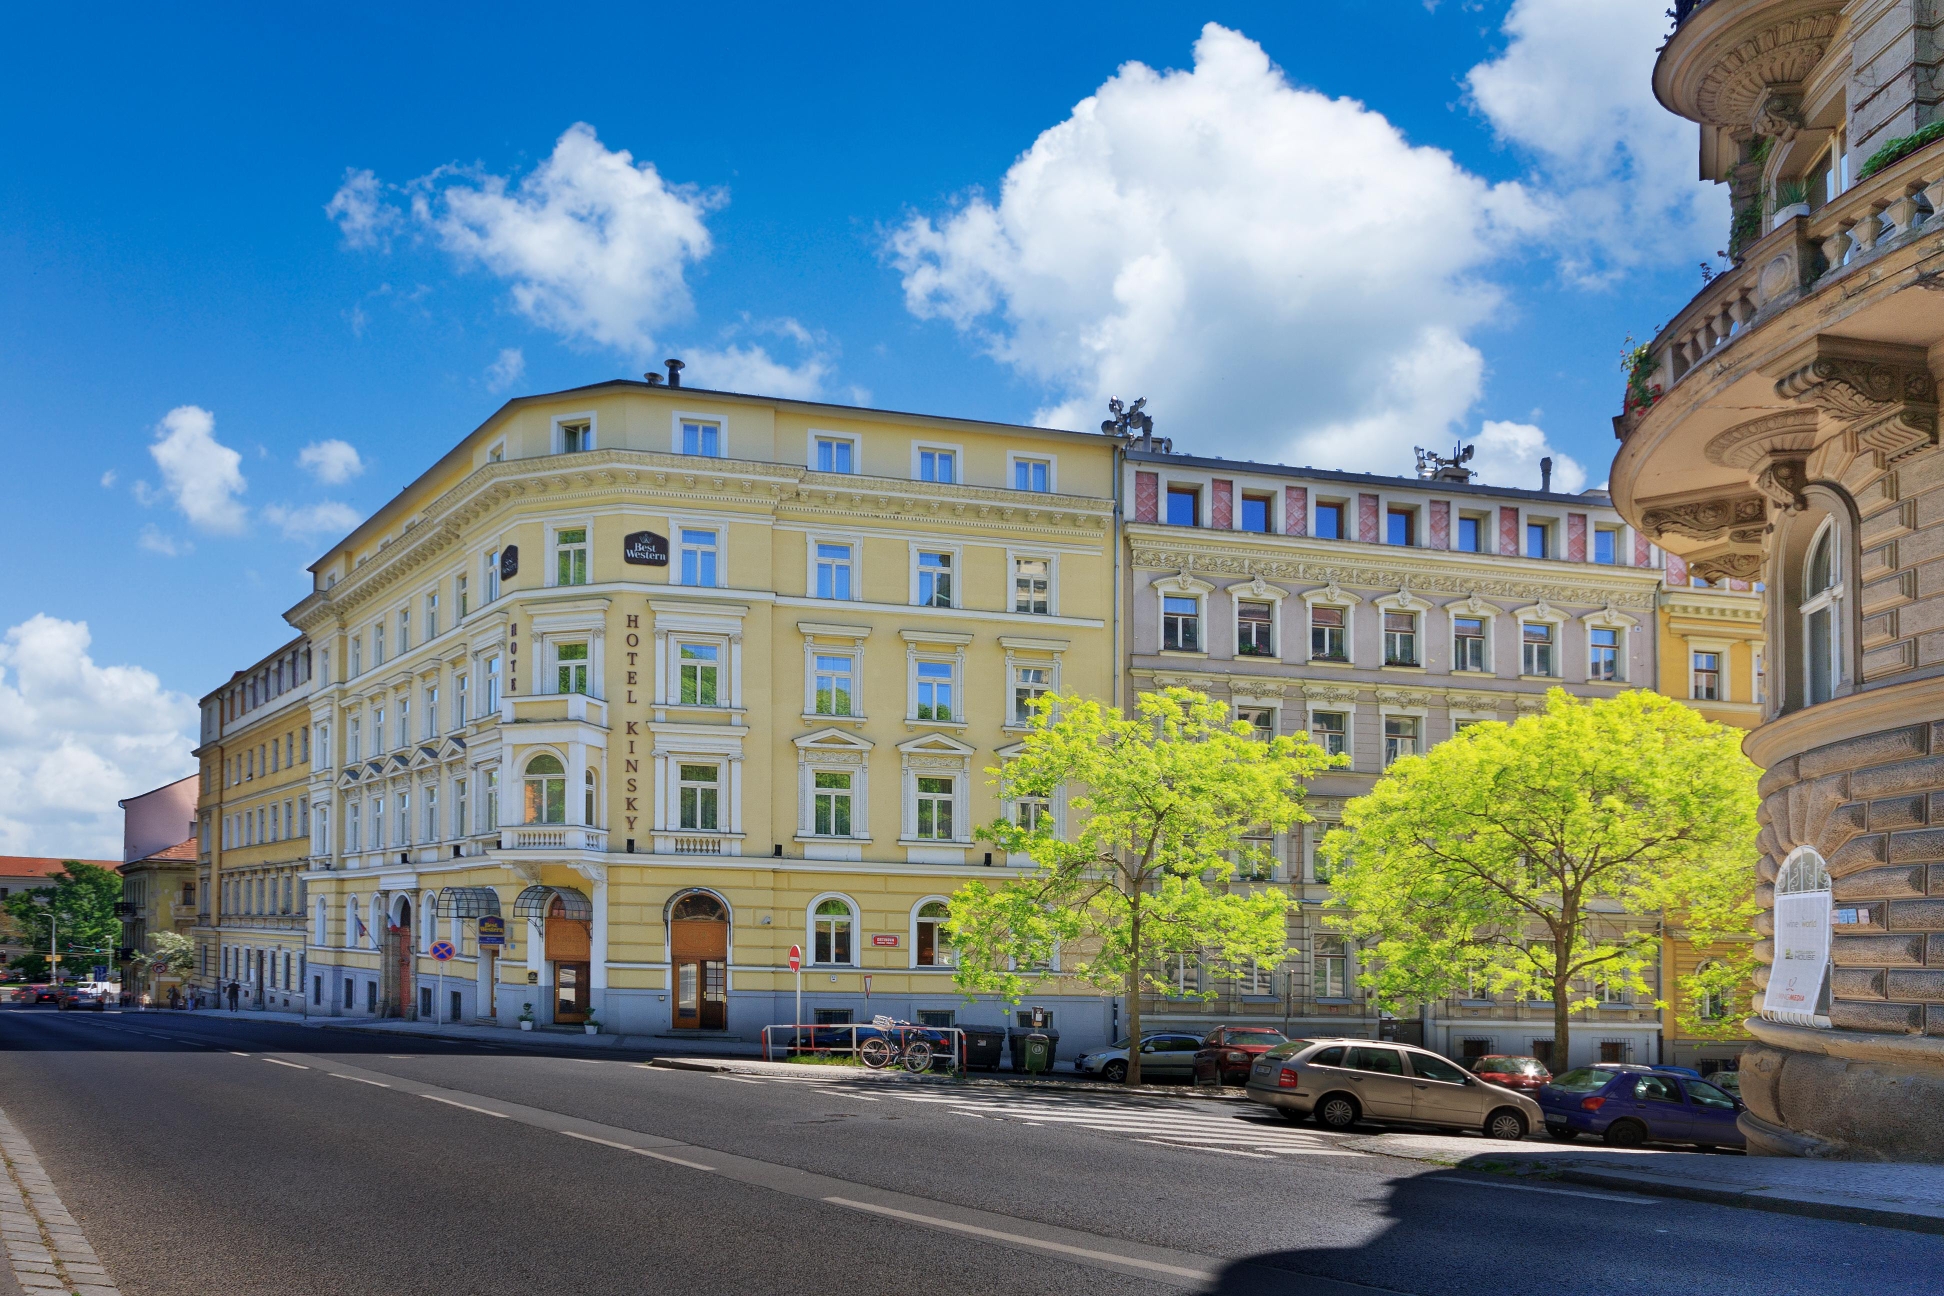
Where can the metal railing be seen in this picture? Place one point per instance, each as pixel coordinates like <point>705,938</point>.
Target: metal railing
<point>845,1039</point>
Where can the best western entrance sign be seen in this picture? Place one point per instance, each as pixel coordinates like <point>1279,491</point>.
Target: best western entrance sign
<point>645,548</point>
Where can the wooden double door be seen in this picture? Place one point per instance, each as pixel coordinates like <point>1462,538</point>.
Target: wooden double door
<point>699,950</point>
<point>568,946</point>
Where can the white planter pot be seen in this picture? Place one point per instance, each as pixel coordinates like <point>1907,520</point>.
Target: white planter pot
<point>526,1025</point>
<point>1783,215</point>
<point>591,1029</point>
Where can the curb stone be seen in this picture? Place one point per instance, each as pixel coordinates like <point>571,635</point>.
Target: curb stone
<point>978,1081</point>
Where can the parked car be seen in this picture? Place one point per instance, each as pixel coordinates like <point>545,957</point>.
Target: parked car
<point>1511,1070</point>
<point>1227,1052</point>
<point>1165,1055</point>
<point>1341,1082</point>
<point>95,995</point>
<point>1631,1105</point>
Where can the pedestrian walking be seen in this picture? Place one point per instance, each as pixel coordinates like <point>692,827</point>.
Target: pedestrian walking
<point>235,991</point>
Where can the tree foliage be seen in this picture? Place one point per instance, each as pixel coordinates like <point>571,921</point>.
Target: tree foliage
<point>77,911</point>
<point>170,953</point>
<point>1159,805</point>
<point>1523,858</point>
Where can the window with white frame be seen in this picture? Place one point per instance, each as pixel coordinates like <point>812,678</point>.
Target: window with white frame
<point>491,798</point>
<point>835,569</point>
<point>1254,980</point>
<point>935,691</point>
<point>404,630</point>
<point>431,811</point>
<point>700,797</point>
<point>1033,475</point>
<point>432,615</point>
<point>570,556</point>
<point>492,565</point>
<point>934,578</point>
<point>459,700</point>
<point>1327,639</point>
<point>1033,813</point>
<point>377,823</point>
<point>1330,968</point>
<point>936,802</point>
<point>937,465</point>
<point>1184,974</point>
<point>933,947</point>
<point>1536,645</point>
<point>571,668</point>
<point>1260,719</point>
<point>353,838</point>
<point>546,790</point>
<point>1705,677</point>
<point>1033,586</point>
<point>834,682</point>
<point>403,820</point>
<point>1822,637</point>
<point>1759,670</point>
<point>700,550</point>
<point>461,825</point>
<point>1468,644</point>
<point>1255,628</point>
<point>699,437</point>
<point>357,656</point>
<point>1400,639</point>
<point>698,674</point>
<point>1401,736</point>
<point>832,926</point>
<point>831,795</point>
<point>835,454</point>
<point>492,685</point>
<point>1330,730</point>
<point>1603,654</point>
<point>461,597</point>
<point>576,437</point>
<point>404,722</point>
<point>378,644</point>
<point>430,725</point>
<point>378,730</point>
<point>1030,683</point>
<point>1180,623</point>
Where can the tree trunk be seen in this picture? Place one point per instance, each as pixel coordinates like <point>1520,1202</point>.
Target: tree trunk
<point>1134,993</point>
<point>1562,1028</point>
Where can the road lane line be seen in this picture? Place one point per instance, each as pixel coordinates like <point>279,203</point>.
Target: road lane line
<point>659,1156</point>
<point>295,1066</point>
<point>377,1084</point>
<point>1021,1239</point>
<point>1193,1147</point>
<point>468,1106</point>
<point>1557,1192</point>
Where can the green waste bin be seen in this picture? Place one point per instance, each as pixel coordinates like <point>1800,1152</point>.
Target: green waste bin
<point>1038,1053</point>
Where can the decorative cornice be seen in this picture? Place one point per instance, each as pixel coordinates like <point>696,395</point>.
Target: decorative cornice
<point>1885,393</point>
<point>1705,519</point>
<point>1632,587</point>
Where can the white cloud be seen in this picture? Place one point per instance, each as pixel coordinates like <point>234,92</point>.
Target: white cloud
<point>108,480</point>
<point>326,519</point>
<point>331,462</point>
<point>76,737</point>
<point>1508,454</point>
<point>1282,273</point>
<point>1574,89</point>
<point>508,369</point>
<point>363,216</point>
<point>200,471</point>
<point>155,541</point>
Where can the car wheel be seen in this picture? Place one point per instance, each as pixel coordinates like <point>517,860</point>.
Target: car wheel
<point>1338,1112</point>
<point>1563,1133</point>
<point>1507,1124</point>
<point>1114,1072</point>
<point>1625,1133</point>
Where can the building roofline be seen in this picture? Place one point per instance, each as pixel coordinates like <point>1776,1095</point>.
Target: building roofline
<point>1592,498</point>
<point>236,675</point>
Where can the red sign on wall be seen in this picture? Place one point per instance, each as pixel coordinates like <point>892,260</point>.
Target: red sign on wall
<point>884,940</point>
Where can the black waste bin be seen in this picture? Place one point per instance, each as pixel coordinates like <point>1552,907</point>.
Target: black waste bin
<point>984,1045</point>
<point>1016,1046</point>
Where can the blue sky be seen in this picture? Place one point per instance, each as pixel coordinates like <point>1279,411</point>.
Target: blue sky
<point>1321,231</point>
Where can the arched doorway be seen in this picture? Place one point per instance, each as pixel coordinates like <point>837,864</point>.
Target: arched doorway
<point>568,942</point>
<point>396,965</point>
<point>698,952</point>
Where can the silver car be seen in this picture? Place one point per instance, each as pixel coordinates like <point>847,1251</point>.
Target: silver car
<point>1165,1055</point>
<point>1343,1081</point>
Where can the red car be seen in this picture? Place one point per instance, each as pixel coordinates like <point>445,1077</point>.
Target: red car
<point>1525,1074</point>
<point>1228,1052</point>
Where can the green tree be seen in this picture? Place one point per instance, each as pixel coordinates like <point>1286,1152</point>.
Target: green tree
<point>170,953</point>
<point>77,912</point>
<point>1160,803</point>
<point>1512,856</point>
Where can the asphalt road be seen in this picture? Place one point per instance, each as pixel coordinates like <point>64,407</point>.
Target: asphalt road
<point>208,1156</point>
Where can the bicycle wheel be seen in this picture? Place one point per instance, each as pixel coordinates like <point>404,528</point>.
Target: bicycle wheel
<point>918,1057</point>
<point>875,1052</point>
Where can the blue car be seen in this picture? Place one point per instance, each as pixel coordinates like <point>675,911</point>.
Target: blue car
<point>1631,1105</point>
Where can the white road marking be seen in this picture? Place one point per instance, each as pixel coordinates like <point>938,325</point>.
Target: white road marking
<point>624,1147</point>
<point>468,1106</point>
<point>295,1066</point>
<point>1021,1239</point>
<point>1192,1147</point>
<point>1557,1192</point>
<point>376,1084</point>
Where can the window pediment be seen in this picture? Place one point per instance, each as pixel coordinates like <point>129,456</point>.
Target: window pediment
<point>937,744</point>
<point>1541,611</point>
<point>1608,618</point>
<point>1332,593</point>
<point>1256,588</point>
<point>1473,606</point>
<point>832,740</point>
<point>1184,585</point>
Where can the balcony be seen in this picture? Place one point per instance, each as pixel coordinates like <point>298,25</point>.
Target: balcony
<point>544,708</point>
<point>555,837</point>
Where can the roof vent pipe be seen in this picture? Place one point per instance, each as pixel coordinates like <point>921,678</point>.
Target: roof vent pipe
<point>675,368</point>
<point>652,378</point>
<point>1545,474</point>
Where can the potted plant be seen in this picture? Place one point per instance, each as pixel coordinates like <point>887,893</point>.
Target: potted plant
<point>591,1025</point>
<point>526,1017</point>
<point>1791,200</point>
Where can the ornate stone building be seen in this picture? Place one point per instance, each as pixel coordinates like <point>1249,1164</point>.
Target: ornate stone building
<point>1380,614</point>
<point>1783,426</point>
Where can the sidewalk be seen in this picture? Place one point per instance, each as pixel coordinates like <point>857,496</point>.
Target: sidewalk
<point>498,1036</point>
<point>1899,1195</point>
<point>897,1075</point>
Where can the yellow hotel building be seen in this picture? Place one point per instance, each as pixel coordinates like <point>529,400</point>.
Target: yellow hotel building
<point>668,681</point>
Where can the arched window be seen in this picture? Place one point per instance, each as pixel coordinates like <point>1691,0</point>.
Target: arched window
<point>322,922</point>
<point>1821,608</point>
<point>546,790</point>
<point>589,818</point>
<point>374,930</point>
<point>699,905</point>
<point>832,928</point>
<point>932,947</point>
<point>428,921</point>
<point>352,922</point>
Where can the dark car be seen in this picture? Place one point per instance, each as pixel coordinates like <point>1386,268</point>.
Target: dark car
<point>1227,1052</point>
<point>1514,1072</point>
<point>1631,1105</point>
<point>41,994</point>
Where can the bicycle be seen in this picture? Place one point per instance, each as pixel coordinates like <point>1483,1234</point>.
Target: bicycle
<point>879,1052</point>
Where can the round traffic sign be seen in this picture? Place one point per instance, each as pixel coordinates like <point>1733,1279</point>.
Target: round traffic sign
<point>442,950</point>
<point>796,958</point>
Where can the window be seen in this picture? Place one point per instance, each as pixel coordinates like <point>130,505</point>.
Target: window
<point>935,799</point>
<point>404,630</point>
<point>1030,683</point>
<point>934,579</point>
<point>1471,530</point>
<point>1537,641</point>
<point>1400,527</point>
<point>1468,643</point>
<point>1033,813</point>
<point>492,800</point>
<point>1822,592</point>
<point>1032,475</point>
<point>492,685</point>
<point>377,730</point>
<point>378,644</point>
<point>935,681</point>
<point>836,455</point>
<point>1400,639</point>
<point>1180,624</point>
<point>431,798</point>
<point>933,948</point>
<point>1184,506</point>
<point>460,597</point>
<point>1538,540</point>
<point>1400,737</point>
<point>570,666</point>
<point>703,439</point>
<point>699,551</point>
<point>1257,510</point>
<point>1033,586</point>
<point>431,725</point>
<point>699,669</point>
<point>1321,871</point>
<point>378,823</point>
<point>357,655</point>
<point>832,803</point>
<point>1329,521</point>
<point>834,570</point>
<point>938,466</point>
<point>1261,721</point>
<point>1706,684</point>
<point>352,838</point>
<point>1709,1003</point>
<point>1760,672</point>
<point>1255,629</point>
<point>492,582</point>
<point>1604,647</point>
<point>1605,545</point>
<point>1330,730</point>
<point>460,824</point>
<point>835,677</point>
<point>570,557</point>
<point>1330,967</point>
<point>458,700</point>
<point>546,790</point>
<point>575,438</point>
<point>833,932</point>
<point>701,796</point>
<point>1326,634</point>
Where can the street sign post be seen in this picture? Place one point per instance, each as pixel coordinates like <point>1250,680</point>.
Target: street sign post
<point>796,966</point>
<point>441,950</point>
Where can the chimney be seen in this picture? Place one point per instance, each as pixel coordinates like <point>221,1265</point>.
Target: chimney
<point>1545,474</point>
<point>675,368</point>
<point>652,379</point>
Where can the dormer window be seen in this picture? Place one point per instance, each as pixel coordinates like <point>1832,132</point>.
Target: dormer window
<point>576,437</point>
